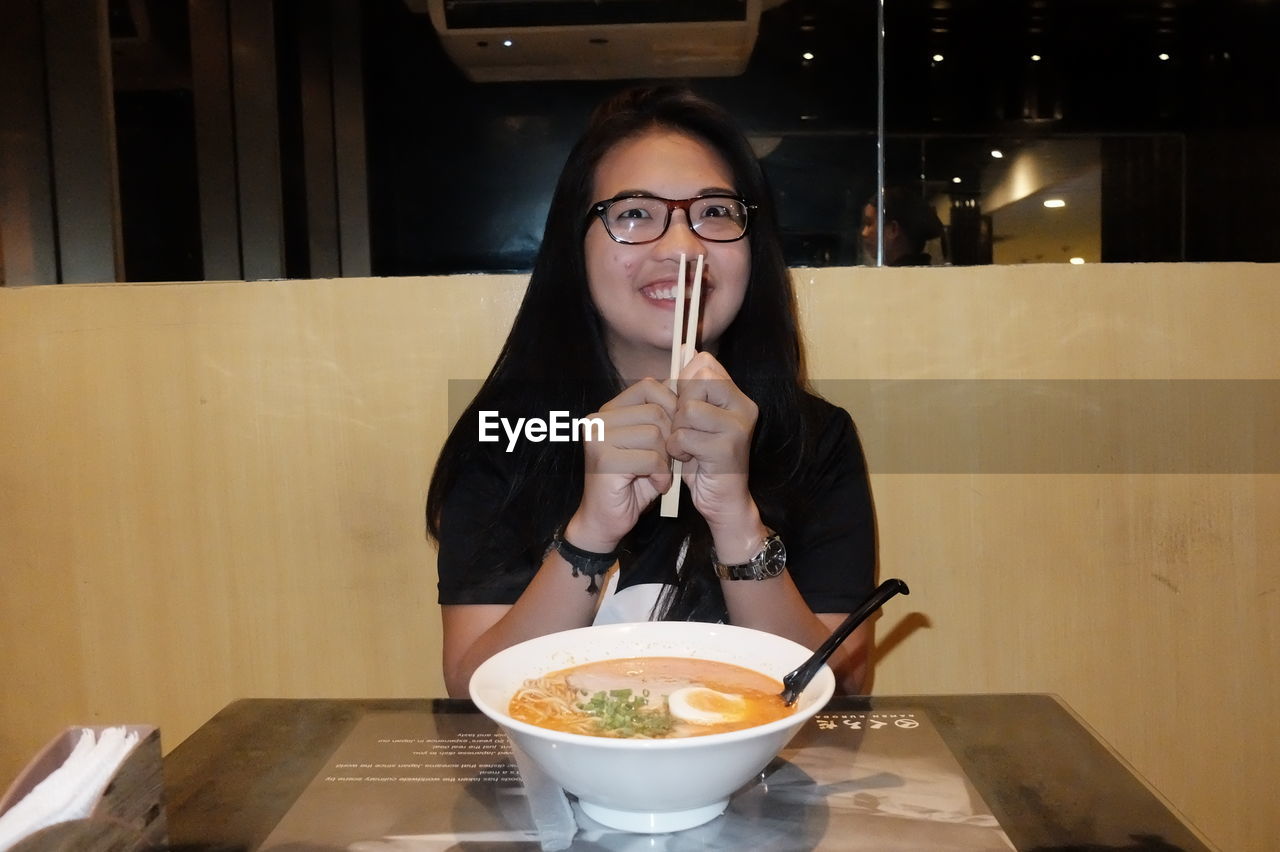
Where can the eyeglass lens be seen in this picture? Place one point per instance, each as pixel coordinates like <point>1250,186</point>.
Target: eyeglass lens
<point>644,219</point>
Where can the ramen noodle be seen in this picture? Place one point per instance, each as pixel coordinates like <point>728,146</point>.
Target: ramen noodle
<point>650,697</point>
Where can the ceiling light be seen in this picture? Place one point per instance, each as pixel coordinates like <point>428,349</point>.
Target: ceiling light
<point>806,56</point>
<point>1035,57</point>
<point>938,57</point>
<point>1164,57</point>
<point>955,180</point>
<point>507,42</point>
<point>998,154</point>
<point>1077,260</point>
<point>1054,202</point>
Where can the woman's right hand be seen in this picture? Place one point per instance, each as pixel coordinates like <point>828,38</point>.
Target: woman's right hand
<point>628,469</point>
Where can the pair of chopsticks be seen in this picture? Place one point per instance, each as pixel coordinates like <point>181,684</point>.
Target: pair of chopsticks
<point>682,352</point>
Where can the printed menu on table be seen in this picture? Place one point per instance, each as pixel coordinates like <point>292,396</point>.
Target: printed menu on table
<point>406,781</point>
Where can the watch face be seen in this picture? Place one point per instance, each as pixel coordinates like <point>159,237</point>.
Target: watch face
<point>773,558</point>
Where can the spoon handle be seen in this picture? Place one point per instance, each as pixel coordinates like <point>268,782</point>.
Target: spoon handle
<point>797,680</point>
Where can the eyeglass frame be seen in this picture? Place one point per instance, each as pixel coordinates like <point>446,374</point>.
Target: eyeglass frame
<point>599,209</point>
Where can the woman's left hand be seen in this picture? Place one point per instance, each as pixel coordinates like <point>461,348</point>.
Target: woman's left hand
<point>711,435</point>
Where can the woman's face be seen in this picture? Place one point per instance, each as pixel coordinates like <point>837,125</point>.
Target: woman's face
<point>633,286</point>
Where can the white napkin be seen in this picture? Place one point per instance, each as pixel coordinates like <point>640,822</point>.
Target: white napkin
<point>70,791</point>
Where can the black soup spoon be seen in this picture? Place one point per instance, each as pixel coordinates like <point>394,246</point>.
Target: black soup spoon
<point>794,683</point>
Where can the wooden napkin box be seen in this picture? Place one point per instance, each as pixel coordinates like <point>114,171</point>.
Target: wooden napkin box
<point>128,816</point>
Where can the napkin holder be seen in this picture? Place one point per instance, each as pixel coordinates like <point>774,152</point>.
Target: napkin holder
<point>128,816</point>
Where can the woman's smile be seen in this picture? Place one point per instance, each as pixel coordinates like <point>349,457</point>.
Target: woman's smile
<point>663,294</point>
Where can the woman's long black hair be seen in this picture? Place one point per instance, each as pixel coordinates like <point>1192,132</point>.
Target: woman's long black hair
<point>555,357</point>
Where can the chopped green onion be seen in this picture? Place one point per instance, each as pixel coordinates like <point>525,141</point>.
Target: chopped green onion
<point>620,713</point>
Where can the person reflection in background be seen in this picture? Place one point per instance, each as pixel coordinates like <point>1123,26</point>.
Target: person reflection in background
<point>910,224</point>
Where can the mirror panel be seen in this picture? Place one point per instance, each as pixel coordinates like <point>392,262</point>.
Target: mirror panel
<point>333,138</point>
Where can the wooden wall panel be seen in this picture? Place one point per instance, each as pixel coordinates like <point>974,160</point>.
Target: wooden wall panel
<point>212,491</point>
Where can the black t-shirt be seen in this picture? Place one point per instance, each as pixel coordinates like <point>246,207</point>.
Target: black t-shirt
<point>831,544</point>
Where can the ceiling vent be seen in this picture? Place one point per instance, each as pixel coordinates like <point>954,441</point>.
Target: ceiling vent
<point>518,40</point>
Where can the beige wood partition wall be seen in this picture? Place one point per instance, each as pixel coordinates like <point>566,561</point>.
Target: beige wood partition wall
<point>212,491</point>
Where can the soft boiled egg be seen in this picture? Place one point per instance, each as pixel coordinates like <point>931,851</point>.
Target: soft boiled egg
<point>699,705</point>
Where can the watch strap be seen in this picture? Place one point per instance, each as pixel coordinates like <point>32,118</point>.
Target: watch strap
<point>582,562</point>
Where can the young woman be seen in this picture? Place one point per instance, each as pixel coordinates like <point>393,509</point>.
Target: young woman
<point>775,530</point>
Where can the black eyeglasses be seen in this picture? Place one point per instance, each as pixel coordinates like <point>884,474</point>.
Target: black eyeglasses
<point>638,219</point>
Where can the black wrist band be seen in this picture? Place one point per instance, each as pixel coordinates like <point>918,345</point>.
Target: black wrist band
<point>583,562</point>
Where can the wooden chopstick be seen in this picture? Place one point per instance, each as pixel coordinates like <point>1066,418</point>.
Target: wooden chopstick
<point>682,352</point>
<point>677,330</point>
<point>695,307</point>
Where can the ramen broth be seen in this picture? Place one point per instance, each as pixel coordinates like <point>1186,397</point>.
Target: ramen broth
<point>650,697</point>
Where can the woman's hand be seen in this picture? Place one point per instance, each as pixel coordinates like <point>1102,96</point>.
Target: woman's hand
<point>627,470</point>
<point>711,434</point>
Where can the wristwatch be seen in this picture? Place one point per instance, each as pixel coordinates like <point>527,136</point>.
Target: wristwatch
<point>769,562</point>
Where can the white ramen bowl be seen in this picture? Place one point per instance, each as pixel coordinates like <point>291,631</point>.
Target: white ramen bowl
<point>649,785</point>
